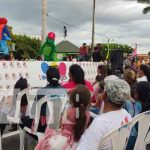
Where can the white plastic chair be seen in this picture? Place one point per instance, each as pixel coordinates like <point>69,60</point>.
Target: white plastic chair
<point>30,93</point>
<point>16,118</point>
<point>118,138</point>
<point>55,106</point>
<point>143,137</point>
<point>4,94</point>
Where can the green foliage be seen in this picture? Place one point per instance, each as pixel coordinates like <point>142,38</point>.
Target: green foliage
<point>114,46</point>
<point>25,45</point>
<point>148,53</point>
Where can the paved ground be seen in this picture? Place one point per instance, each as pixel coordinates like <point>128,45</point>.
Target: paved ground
<point>12,143</point>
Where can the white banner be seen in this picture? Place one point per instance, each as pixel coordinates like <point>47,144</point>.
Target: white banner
<point>34,72</point>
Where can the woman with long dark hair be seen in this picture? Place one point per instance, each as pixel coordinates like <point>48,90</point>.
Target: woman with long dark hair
<point>102,73</point>
<point>144,73</point>
<point>77,76</point>
<point>81,105</point>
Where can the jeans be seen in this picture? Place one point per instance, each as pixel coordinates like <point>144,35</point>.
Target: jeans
<point>95,110</point>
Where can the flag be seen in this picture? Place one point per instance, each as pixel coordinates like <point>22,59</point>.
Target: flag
<point>134,54</point>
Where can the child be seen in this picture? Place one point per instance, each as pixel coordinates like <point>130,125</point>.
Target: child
<point>96,88</point>
<point>96,107</point>
<point>73,124</point>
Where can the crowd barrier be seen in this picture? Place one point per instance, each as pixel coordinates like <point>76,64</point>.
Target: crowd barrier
<point>35,72</point>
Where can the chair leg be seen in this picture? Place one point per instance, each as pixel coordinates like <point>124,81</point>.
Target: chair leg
<point>0,141</point>
<point>22,137</point>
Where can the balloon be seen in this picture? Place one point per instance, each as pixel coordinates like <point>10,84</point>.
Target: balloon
<point>62,69</point>
<point>51,35</point>
<point>44,67</point>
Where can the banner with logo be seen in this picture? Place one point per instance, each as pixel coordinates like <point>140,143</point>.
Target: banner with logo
<point>35,72</point>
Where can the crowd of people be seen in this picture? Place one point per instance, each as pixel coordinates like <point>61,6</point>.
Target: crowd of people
<point>113,100</point>
<point>97,55</point>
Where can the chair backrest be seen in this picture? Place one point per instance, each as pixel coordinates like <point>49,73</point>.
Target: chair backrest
<point>55,108</point>
<point>29,93</point>
<point>5,97</point>
<point>31,97</point>
<point>120,136</point>
<point>143,137</point>
<point>117,138</point>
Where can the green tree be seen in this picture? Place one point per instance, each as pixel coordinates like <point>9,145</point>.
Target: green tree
<point>114,46</point>
<point>26,46</point>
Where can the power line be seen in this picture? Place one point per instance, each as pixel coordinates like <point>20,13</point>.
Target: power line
<point>59,20</point>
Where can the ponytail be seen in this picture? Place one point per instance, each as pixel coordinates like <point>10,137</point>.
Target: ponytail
<point>80,98</point>
<point>80,122</point>
<point>54,82</point>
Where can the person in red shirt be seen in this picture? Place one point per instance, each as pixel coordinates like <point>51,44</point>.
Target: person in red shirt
<point>83,53</point>
<point>77,76</point>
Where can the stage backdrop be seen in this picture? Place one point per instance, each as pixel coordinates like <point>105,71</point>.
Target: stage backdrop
<point>35,72</point>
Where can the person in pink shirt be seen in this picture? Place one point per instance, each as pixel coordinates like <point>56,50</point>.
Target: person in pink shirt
<point>72,126</point>
<point>77,76</point>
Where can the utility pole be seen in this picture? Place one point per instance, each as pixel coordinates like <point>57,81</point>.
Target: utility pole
<point>44,20</point>
<point>93,26</point>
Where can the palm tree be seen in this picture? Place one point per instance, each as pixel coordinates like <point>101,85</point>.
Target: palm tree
<point>146,9</point>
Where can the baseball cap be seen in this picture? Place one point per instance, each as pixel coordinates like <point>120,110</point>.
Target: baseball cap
<point>118,91</point>
<point>111,77</point>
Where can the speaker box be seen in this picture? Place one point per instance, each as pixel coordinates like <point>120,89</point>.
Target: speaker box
<point>116,59</point>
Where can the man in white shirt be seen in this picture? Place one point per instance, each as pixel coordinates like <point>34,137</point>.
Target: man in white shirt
<point>116,93</point>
